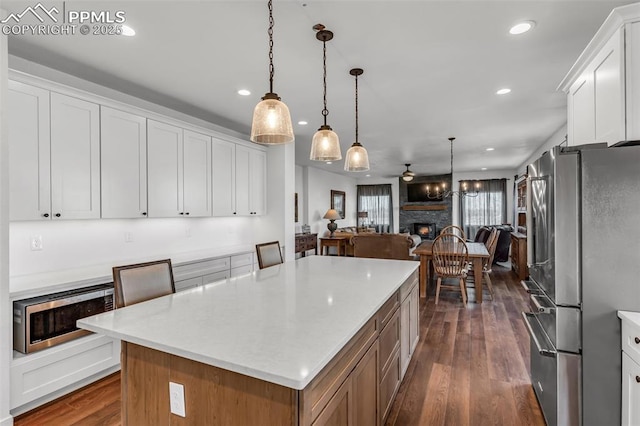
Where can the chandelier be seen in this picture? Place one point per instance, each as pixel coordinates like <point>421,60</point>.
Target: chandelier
<point>440,191</point>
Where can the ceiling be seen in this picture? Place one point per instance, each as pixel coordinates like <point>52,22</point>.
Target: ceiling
<point>431,70</point>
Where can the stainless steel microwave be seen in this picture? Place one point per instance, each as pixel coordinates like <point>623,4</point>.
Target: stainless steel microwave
<point>45,321</point>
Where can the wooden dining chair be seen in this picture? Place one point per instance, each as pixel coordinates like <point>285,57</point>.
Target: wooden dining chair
<point>269,254</point>
<point>142,281</point>
<point>490,244</point>
<point>455,230</point>
<point>450,260</point>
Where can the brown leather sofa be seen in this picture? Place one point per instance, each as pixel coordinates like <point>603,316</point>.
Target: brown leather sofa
<point>384,246</point>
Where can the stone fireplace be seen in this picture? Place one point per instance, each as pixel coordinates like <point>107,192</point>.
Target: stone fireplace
<point>436,214</point>
<point>427,231</point>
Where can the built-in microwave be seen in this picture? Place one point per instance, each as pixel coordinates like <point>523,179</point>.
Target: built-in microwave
<point>45,321</point>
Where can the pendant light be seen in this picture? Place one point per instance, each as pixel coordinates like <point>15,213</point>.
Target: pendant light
<point>407,175</point>
<point>271,119</point>
<point>325,145</point>
<point>357,158</point>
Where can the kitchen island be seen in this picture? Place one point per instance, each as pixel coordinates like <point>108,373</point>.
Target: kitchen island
<point>321,340</point>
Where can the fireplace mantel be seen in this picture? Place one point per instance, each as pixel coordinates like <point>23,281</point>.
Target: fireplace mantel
<point>424,207</point>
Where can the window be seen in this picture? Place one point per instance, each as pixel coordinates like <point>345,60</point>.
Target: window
<point>488,208</point>
<point>376,201</point>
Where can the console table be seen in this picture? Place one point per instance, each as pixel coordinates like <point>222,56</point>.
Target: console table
<point>306,242</point>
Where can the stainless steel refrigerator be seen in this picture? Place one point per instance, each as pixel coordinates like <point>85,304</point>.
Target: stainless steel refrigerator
<point>583,235</point>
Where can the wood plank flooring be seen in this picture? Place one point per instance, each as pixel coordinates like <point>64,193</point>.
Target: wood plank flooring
<point>470,368</point>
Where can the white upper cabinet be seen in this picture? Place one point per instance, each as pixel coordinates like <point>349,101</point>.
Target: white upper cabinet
<point>603,87</point>
<point>197,174</point>
<point>179,171</point>
<point>243,188</point>
<point>29,152</point>
<point>257,182</point>
<point>123,165</point>
<point>75,158</point>
<point>224,178</point>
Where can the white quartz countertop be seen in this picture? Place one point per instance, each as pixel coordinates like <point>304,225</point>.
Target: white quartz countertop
<point>633,317</point>
<point>282,324</point>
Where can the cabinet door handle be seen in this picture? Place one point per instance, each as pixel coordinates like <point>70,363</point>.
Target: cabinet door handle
<point>638,379</point>
<point>144,213</point>
<point>57,214</point>
<point>637,339</point>
<point>46,215</point>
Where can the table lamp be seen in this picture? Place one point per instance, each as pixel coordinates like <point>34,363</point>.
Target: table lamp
<point>332,215</point>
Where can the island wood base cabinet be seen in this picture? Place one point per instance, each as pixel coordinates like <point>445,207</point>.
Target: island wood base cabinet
<point>356,387</point>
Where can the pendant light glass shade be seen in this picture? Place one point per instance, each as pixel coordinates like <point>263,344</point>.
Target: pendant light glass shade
<point>357,159</point>
<point>271,122</point>
<point>325,145</point>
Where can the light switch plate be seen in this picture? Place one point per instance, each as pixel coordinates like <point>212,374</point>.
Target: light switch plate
<point>176,399</point>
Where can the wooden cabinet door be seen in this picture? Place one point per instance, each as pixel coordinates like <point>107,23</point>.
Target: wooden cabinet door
<point>123,164</point>
<point>224,178</point>
<point>243,185</point>
<point>339,410</point>
<point>164,169</point>
<point>75,158</point>
<point>364,380</point>
<point>29,152</point>
<point>258,183</point>
<point>414,320</point>
<point>630,391</point>
<point>405,334</point>
<point>197,174</point>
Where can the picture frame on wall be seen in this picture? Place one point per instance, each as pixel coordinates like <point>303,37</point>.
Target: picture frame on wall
<point>338,199</point>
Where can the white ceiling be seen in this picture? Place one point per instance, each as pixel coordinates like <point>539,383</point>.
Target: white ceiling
<point>431,70</point>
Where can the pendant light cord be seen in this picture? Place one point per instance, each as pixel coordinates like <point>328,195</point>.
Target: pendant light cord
<point>357,140</point>
<point>270,32</point>
<point>325,111</point>
<point>451,158</point>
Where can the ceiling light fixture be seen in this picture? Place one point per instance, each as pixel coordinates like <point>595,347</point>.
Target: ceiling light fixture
<point>357,158</point>
<point>490,149</point>
<point>503,91</point>
<point>325,145</point>
<point>128,31</point>
<point>408,175</point>
<point>271,119</point>
<point>244,92</point>
<point>441,192</point>
<point>302,123</point>
<point>522,27</point>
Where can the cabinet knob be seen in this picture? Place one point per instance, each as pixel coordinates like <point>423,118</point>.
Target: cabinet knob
<point>234,212</point>
<point>637,339</point>
<point>144,213</point>
<point>46,215</point>
<point>187,213</point>
<point>181,212</point>
<point>57,214</point>
<point>638,379</point>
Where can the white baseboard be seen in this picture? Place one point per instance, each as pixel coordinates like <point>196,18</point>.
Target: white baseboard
<point>7,421</point>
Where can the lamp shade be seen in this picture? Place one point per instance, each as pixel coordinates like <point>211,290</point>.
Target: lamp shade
<point>325,145</point>
<point>332,214</point>
<point>271,122</point>
<point>357,159</point>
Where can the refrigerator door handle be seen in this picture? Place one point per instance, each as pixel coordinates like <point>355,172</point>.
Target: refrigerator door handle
<point>542,309</point>
<point>528,317</point>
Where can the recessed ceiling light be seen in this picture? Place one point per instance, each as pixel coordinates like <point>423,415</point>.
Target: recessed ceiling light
<point>128,31</point>
<point>367,175</point>
<point>329,162</point>
<point>244,92</point>
<point>484,168</point>
<point>522,27</point>
<point>302,123</point>
<point>503,91</point>
<point>490,149</point>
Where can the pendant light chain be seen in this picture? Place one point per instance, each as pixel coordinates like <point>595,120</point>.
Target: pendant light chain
<point>270,32</point>
<point>325,111</point>
<point>451,139</point>
<point>357,140</point>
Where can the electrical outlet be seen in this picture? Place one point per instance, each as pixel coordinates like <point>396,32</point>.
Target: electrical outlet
<point>35,242</point>
<point>128,237</point>
<point>176,399</point>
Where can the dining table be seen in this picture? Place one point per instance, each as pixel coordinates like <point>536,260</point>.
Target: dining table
<point>477,255</point>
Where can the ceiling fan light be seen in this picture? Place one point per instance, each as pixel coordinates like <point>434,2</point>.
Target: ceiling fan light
<point>407,175</point>
<point>357,159</point>
<point>325,145</point>
<point>271,123</point>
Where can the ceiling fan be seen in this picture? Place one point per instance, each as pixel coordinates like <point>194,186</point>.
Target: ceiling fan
<point>407,175</point>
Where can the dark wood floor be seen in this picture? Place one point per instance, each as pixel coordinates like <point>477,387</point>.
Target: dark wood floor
<point>470,368</point>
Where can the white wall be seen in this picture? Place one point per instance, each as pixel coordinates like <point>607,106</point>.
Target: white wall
<point>489,174</point>
<point>395,196</point>
<point>5,311</point>
<point>556,139</point>
<point>318,198</point>
<point>300,190</point>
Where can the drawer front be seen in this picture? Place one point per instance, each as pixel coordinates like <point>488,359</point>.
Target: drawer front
<point>241,270</point>
<point>218,276</point>
<point>389,386</point>
<point>198,269</point>
<point>631,340</point>
<point>389,341</point>
<point>408,285</point>
<point>241,260</point>
<point>386,311</point>
<point>187,284</point>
